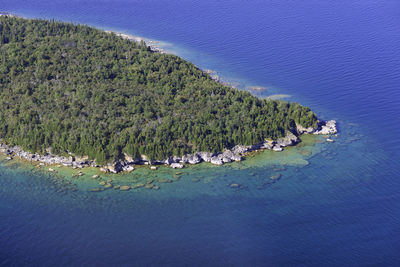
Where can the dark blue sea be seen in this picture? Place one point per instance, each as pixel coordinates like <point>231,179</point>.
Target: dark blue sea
<point>335,204</point>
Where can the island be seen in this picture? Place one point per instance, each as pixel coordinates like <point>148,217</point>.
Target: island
<point>75,95</point>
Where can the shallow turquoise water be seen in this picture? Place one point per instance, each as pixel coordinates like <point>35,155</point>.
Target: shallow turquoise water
<point>337,206</point>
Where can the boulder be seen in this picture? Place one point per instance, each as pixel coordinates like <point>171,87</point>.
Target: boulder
<point>205,156</point>
<point>239,149</point>
<point>191,158</point>
<point>128,168</point>
<point>277,148</point>
<point>229,156</point>
<point>177,166</point>
<point>217,161</point>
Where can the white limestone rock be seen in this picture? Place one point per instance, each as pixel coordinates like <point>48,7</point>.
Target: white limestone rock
<point>177,166</point>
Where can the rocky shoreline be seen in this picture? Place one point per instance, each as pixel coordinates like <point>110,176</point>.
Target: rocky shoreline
<point>229,155</point>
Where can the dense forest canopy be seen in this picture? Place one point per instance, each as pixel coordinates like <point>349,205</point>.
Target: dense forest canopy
<point>78,89</point>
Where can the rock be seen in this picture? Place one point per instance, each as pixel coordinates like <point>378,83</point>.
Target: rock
<point>103,169</point>
<point>156,187</point>
<point>276,176</point>
<point>277,148</point>
<point>115,168</point>
<point>267,144</point>
<point>239,149</point>
<point>165,181</point>
<point>106,186</point>
<point>302,130</point>
<point>9,158</point>
<point>128,168</point>
<point>96,189</point>
<point>51,170</point>
<point>153,168</point>
<point>124,187</point>
<point>102,183</point>
<point>116,187</point>
<point>229,156</point>
<point>192,158</point>
<point>289,140</point>
<point>327,128</point>
<point>205,156</point>
<point>330,140</point>
<point>217,161</point>
<point>149,186</point>
<point>137,186</point>
<point>176,166</point>
<point>95,176</point>
<point>234,185</point>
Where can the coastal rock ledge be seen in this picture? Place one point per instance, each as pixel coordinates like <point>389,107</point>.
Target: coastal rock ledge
<point>229,155</point>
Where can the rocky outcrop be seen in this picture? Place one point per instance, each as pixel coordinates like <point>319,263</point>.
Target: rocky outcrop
<point>302,130</point>
<point>289,140</point>
<point>328,127</point>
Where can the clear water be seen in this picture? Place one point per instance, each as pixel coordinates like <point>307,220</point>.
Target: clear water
<point>335,204</point>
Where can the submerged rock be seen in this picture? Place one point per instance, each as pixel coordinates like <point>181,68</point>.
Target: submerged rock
<point>106,186</point>
<point>97,189</point>
<point>149,186</point>
<point>137,186</point>
<point>234,185</point>
<point>276,176</point>
<point>124,187</point>
<point>165,181</point>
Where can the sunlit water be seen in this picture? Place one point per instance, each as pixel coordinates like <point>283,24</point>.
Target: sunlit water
<point>334,203</point>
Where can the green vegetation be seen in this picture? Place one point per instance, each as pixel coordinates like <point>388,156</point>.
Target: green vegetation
<point>75,88</point>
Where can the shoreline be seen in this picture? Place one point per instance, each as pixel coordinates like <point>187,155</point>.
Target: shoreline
<point>237,153</point>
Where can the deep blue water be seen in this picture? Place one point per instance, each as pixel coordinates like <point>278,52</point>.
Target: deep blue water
<point>340,208</point>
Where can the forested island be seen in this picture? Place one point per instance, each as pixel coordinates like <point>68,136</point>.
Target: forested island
<point>73,90</point>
